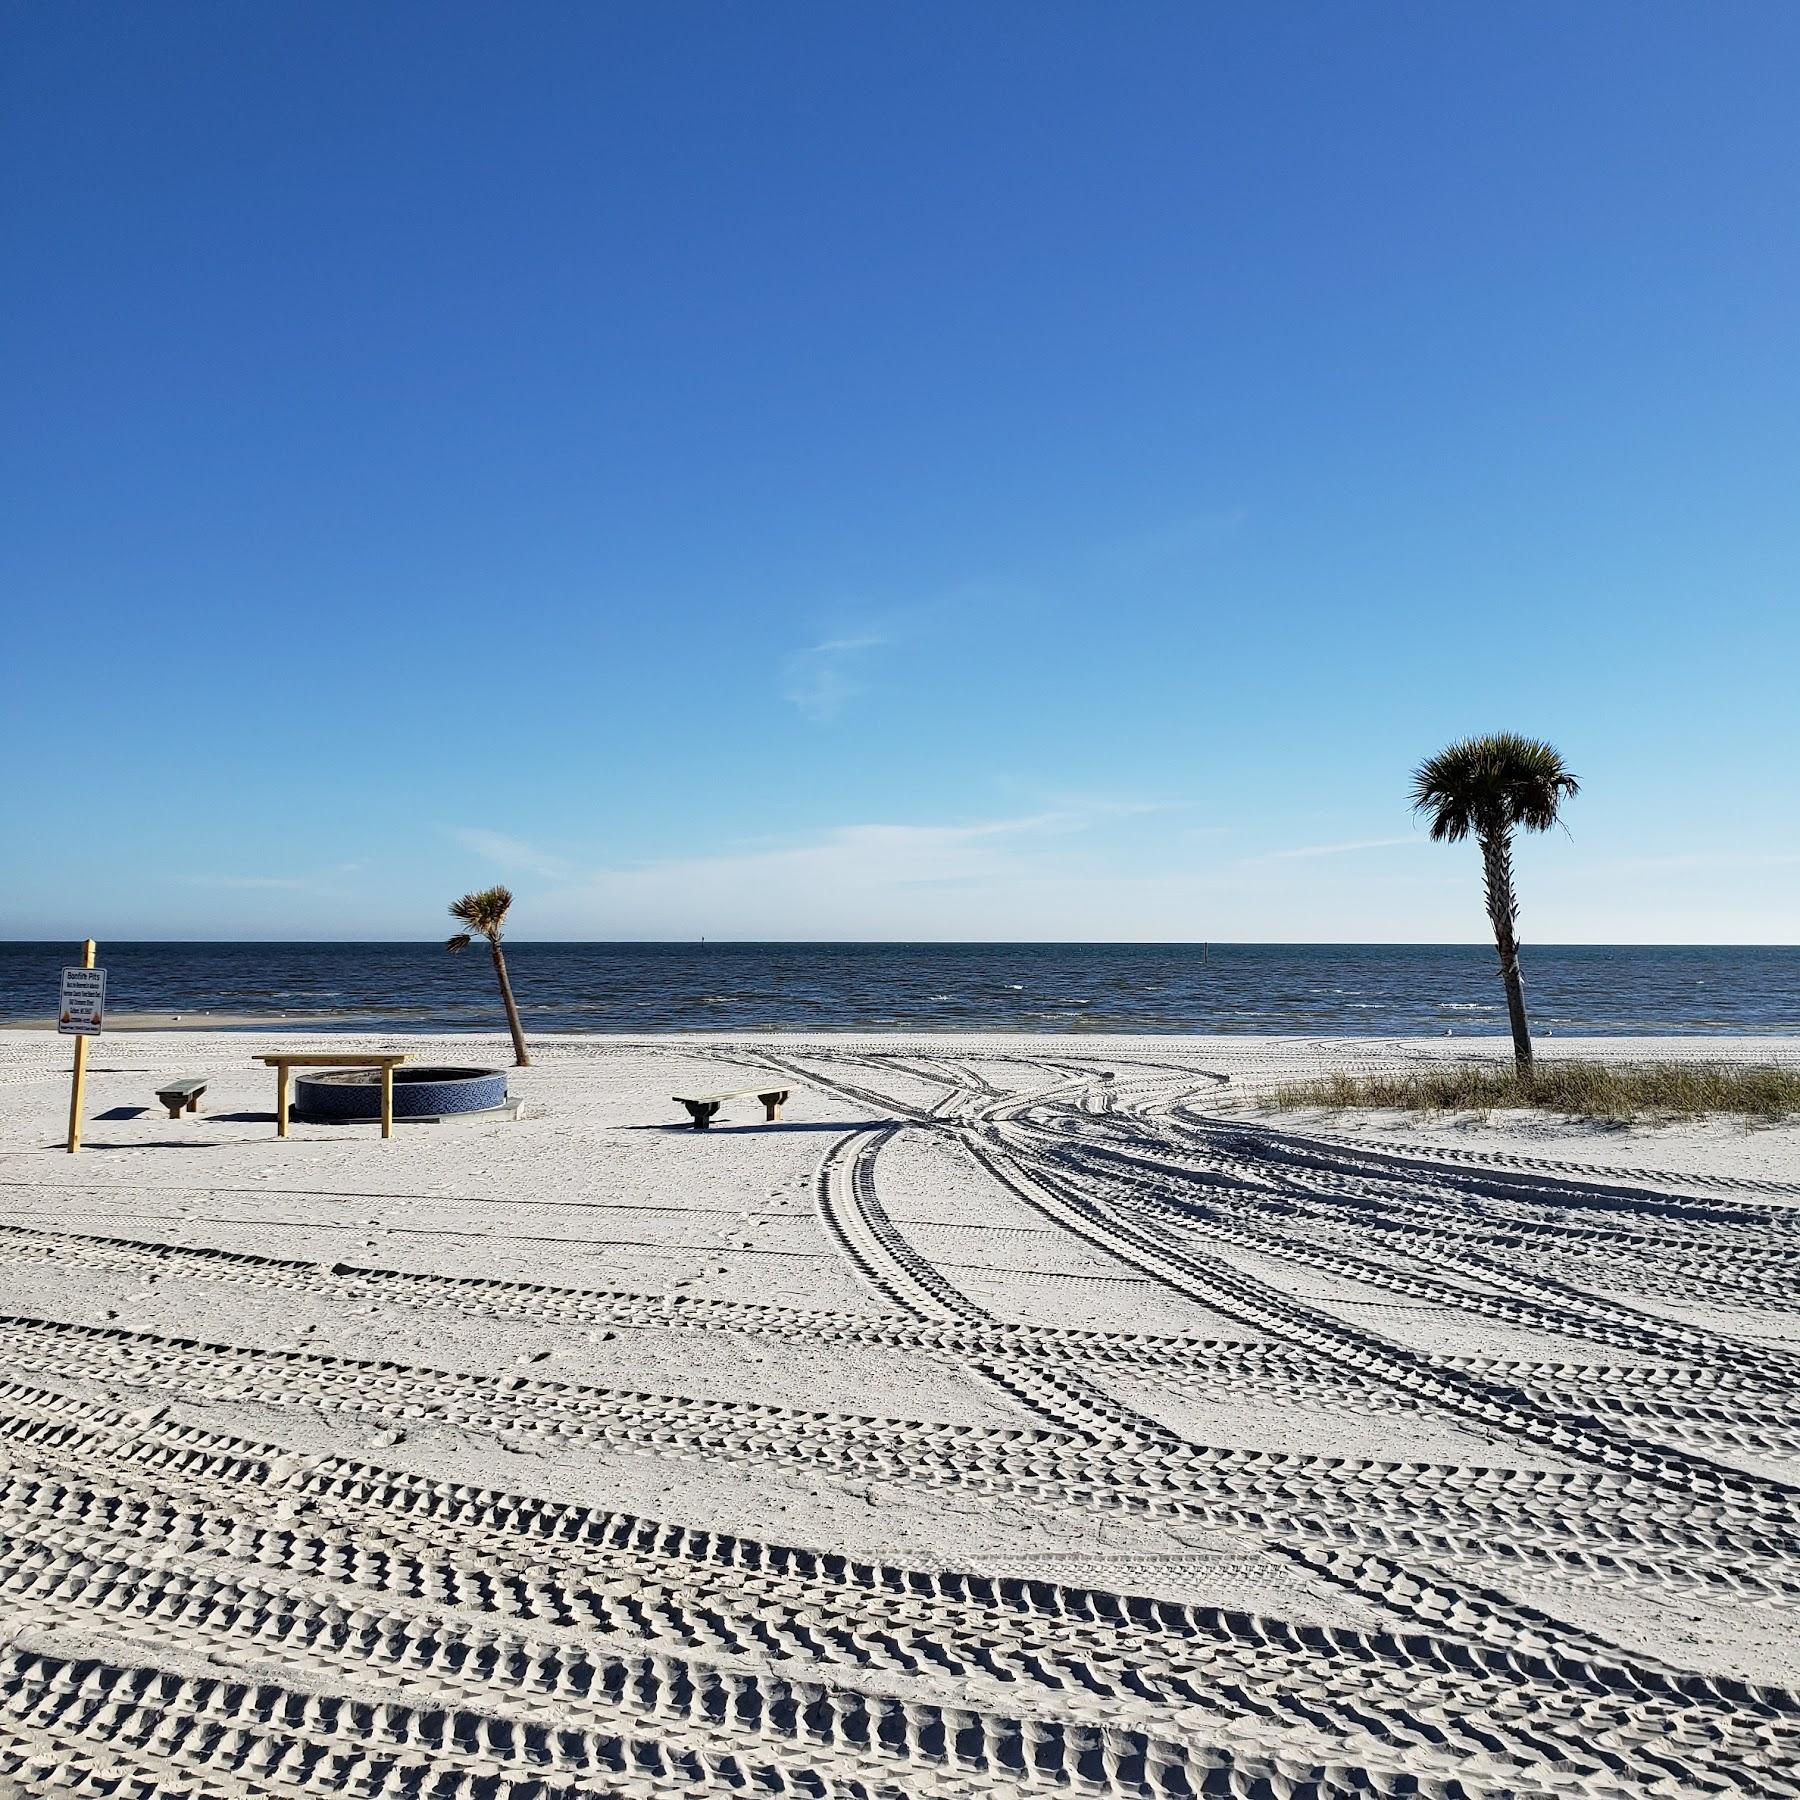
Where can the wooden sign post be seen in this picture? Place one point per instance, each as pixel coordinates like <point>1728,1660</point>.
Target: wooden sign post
<point>79,1015</point>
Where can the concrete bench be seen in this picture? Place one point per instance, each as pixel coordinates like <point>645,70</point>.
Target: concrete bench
<point>183,1095</point>
<point>701,1107</point>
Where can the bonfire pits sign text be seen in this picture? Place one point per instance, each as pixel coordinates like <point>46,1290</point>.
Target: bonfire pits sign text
<point>83,1005</point>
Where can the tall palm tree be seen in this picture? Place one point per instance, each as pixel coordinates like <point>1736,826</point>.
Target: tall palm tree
<point>1492,786</point>
<point>485,915</point>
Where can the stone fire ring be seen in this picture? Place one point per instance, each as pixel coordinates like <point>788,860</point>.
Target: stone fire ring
<point>420,1092</point>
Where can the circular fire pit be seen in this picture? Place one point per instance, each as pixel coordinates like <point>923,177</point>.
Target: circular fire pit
<point>423,1092</point>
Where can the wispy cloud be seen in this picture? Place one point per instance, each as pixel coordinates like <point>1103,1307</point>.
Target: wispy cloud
<point>292,883</point>
<point>1048,873</point>
<point>1384,843</point>
<point>511,853</point>
<point>1176,542</point>
<point>821,679</point>
<point>318,883</point>
<point>850,880</point>
<point>1705,861</point>
<point>1094,806</point>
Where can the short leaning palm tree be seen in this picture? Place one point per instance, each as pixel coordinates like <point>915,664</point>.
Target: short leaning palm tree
<point>485,915</point>
<point>1491,787</point>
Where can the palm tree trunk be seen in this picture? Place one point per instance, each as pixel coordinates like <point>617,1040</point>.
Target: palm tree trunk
<point>512,1011</point>
<point>1503,910</point>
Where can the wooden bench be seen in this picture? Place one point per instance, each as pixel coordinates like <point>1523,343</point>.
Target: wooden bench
<point>183,1095</point>
<point>701,1107</point>
<point>281,1061</point>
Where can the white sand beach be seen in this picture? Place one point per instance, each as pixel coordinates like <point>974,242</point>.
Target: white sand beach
<point>1017,1415</point>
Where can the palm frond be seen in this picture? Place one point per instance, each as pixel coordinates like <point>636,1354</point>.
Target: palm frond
<point>484,911</point>
<point>460,942</point>
<point>1492,783</point>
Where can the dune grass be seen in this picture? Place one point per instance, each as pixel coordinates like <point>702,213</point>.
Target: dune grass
<point>1588,1090</point>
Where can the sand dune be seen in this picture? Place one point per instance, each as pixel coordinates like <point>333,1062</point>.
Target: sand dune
<point>1020,1415</point>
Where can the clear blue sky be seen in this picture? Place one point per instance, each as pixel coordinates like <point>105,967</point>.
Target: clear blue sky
<point>927,470</point>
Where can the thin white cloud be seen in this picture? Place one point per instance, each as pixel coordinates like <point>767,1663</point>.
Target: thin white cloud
<point>293,884</point>
<point>842,646</point>
<point>1044,875</point>
<point>1703,861</point>
<point>1176,543</point>
<point>1052,872</point>
<point>1386,843</point>
<point>290,883</point>
<point>511,853</point>
<point>821,679</point>
<point>851,880</point>
<point>1114,806</point>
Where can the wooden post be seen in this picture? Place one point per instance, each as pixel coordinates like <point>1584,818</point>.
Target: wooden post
<point>281,1092</point>
<point>78,1084</point>
<point>387,1100</point>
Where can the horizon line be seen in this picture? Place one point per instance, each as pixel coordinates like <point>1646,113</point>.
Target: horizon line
<point>987,943</point>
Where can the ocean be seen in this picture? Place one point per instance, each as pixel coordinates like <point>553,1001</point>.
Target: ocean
<point>1334,989</point>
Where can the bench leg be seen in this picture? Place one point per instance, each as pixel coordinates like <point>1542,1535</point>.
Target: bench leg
<point>174,1107</point>
<point>701,1112</point>
<point>193,1105</point>
<point>772,1104</point>
<point>281,1099</point>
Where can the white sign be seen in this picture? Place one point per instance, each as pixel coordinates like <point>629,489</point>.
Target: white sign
<point>83,1002</point>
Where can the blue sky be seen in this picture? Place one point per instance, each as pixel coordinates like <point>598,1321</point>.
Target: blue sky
<point>940,471</point>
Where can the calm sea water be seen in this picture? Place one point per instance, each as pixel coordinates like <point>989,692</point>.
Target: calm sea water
<point>1327,988</point>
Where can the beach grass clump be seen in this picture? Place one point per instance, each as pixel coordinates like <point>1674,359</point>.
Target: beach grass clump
<point>1581,1089</point>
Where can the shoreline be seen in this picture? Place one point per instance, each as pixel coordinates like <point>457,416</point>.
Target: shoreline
<point>199,1021</point>
<point>368,1025</point>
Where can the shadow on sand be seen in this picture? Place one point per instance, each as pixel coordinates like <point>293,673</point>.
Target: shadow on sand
<point>726,1125</point>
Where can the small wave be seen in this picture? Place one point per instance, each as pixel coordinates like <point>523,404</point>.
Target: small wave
<point>1597,991</point>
